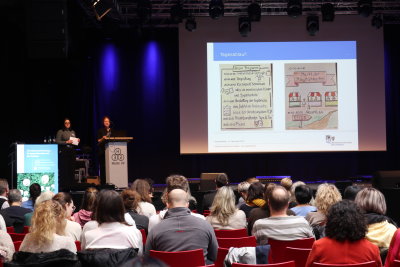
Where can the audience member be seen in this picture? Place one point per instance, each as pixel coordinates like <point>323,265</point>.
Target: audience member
<point>303,196</point>
<point>142,187</point>
<point>47,230</point>
<point>34,193</point>
<point>14,215</point>
<point>4,189</point>
<point>179,231</point>
<point>6,246</point>
<point>220,181</point>
<point>43,197</point>
<point>351,191</point>
<point>243,189</point>
<point>293,202</point>
<point>88,204</point>
<point>72,229</point>
<point>287,183</point>
<point>279,225</point>
<point>345,241</point>
<point>131,201</point>
<point>3,226</point>
<point>223,212</point>
<point>327,195</point>
<point>111,230</point>
<point>380,227</point>
<point>255,198</point>
<point>394,250</point>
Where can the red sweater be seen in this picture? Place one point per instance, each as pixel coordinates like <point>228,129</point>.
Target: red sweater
<point>327,250</point>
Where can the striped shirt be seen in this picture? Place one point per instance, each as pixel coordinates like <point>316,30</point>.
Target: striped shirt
<point>281,228</point>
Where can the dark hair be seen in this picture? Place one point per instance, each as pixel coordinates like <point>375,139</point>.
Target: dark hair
<point>345,221</point>
<point>303,194</point>
<point>34,192</point>
<point>221,180</point>
<point>110,207</point>
<point>89,199</point>
<point>351,191</point>
<point>131,199</point>
<point>177,181</point>
<point>256,190</point>
<point>278,201</point>
<point>63,198</point>
<point>142,187</point>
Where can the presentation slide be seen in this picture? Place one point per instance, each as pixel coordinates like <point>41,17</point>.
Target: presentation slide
<point>282,96</point>
<point>37,164</point>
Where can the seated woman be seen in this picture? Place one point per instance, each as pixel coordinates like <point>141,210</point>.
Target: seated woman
<point>223,212</point>
<point>34,193</point>
<point>72,229</point>
<point>131,201</point>
<point>142,187</point>
<point>88,204</point>
<point>47,230</point>
<point>345,241</point>
<point>255,198</point>
<point>6,246</point>
<point>112,231</point>
<point>380,227</point>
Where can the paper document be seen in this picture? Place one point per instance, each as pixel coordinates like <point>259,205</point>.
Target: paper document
<point>75,141</point>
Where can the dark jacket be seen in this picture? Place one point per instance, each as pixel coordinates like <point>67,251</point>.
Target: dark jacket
<point>59,258</point>
<point>105,257</point>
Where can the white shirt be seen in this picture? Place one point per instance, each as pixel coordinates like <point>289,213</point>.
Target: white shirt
<point>73,229</point>
<point>2,224</point>
<point>5,204</point>
<point>59,242</point>
<point>147,209</point>
<point>155,219</point>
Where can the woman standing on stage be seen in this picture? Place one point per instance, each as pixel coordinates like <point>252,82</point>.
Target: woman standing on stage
<point>102,134</point>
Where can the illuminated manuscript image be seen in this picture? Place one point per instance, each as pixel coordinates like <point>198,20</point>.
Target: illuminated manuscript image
<point>311,96</point>
<point>246,96</point>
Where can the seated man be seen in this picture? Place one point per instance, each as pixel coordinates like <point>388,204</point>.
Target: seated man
<point>180,231</point>
<point>14,215</point>
<point>279,225</point>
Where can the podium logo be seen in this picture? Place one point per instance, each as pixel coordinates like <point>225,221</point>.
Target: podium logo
<point>117,156</point>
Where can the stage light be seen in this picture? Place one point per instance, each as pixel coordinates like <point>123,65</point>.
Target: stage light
<point>101,8</point>
<point>328,12</point>
<point>294,8</point>
<point>216,9</point>
<point>244,26</point>
<point>254,12</point>
<point>312,24</point>
<point>191,24</point>
<point>144,10</point>
<point>177,13</point>
<point>377,21</point>
<point>364,7</point>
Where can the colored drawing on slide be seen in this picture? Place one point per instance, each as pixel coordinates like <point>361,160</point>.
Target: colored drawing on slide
<point>246,96</point>
<point>311,96</point>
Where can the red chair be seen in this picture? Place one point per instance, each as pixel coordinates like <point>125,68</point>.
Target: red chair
<point>26,229</point>
<point>363,264</point>
<point>249,241</point>
<point>144,236</point>
<point>78,245</point>
<point>222,252</point>
<point>206,213</point>
<point>231,233</point>
<point>277,253</point>
<point>395,263</point>
<point>281,264</point>
<point>17,245</point>
<point>298,255</point>
<point>190,258</point>
<point>10,229</point>
<point>17,237</point>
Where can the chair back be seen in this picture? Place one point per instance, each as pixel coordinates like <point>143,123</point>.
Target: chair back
<point>190,258</point>
<point>222,252</point>
<point>231,233</point>
<point>10,229</point>
<point>281,264</point>
<point>78,245</point>
<point>144,236</point>
<point>298,255</point>
<point>363,264</point>
<point>277,253</point>
<point>17,237</point>
<point>248,241</point>
<point>395,263</point>
<point>206,213</point>
<point>26,229</point>
<point>17,245</point>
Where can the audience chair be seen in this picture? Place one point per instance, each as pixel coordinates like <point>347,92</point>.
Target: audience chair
<point>395,263</point>
<point>222,252</point>
<point>277,253</point>
<point>191,258</point>
<point>206,213</point>
<point>281,264</point>
<point>10,229</point>
<point>231,233</point>
<point>26,229</point>
<point>17,237</point>
<point>298,255</point>
<point>364,264</point>
<point>144,236</point>
<point>17,244</point>
<point>249,241</point>
<point>78,245</point>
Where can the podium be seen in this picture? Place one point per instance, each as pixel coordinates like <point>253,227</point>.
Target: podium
<point>117,160</point>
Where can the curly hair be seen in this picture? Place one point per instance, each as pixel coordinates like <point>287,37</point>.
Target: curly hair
<point>47,219</point>
<point>327,195</point>
<point>223,205</point>
<point>346,221</point>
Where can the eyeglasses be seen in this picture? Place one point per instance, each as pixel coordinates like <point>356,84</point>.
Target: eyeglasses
<point>73,208</point>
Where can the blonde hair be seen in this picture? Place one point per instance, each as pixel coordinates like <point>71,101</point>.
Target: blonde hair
<point>48,219</point>
<point>286,183</point>
<point>223,205</point>
<point>47,195</point>
<point>371,200</point>
<point>327,195</point>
